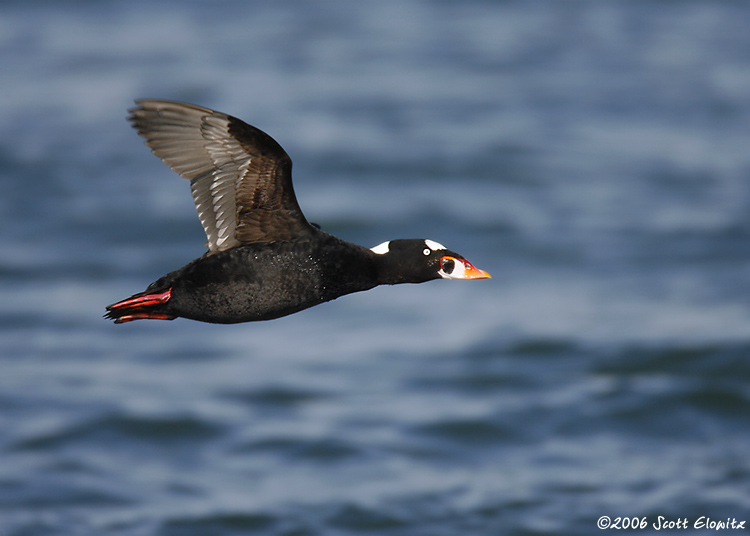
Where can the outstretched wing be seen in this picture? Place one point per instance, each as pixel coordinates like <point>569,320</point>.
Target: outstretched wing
<point>241,179</point>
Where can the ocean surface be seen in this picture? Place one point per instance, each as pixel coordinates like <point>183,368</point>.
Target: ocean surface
<point>593,156</point>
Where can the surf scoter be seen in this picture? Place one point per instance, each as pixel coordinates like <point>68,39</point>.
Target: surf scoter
<point>264,259</point>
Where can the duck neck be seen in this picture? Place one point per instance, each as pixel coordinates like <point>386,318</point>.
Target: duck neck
<point>390,270</point>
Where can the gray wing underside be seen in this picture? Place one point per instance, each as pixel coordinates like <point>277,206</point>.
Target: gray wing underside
<point>239,176</point>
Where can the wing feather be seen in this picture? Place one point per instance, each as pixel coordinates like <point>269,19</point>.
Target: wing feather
<point>240,178</point>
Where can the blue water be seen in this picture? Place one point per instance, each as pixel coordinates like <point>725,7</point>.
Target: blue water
<point>592,156</point>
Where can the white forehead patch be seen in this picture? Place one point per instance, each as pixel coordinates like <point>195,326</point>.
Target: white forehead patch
<point>382,249</point>
<point>434,246</point>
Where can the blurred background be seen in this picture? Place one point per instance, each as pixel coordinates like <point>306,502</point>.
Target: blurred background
<point>592,156</point>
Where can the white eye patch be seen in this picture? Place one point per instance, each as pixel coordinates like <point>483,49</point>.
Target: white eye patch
<point>382,249</point>
<point>434,246</point>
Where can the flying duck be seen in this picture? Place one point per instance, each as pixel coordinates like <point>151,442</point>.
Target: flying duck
<point>264,259</point>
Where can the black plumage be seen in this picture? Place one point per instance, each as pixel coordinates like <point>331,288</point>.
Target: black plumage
<point>264,259</point>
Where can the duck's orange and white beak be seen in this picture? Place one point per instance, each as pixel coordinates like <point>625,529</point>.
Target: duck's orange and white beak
<point>456,268</point>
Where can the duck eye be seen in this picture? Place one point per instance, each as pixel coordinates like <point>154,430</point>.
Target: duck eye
<point>426,252</point>
<point>447,265</point>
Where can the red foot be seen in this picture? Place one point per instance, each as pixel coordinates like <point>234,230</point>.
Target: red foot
<point>143,316</point>
<point>144,301</point>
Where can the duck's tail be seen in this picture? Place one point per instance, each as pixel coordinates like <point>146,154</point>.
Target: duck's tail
<point>141,306</point>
